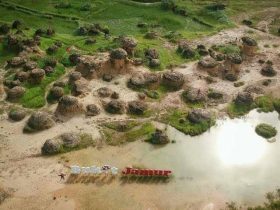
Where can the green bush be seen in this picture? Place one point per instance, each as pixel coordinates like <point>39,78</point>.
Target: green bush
<point>266,131</point>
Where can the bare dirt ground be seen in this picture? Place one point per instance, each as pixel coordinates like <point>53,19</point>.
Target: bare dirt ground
<point>35,180</point>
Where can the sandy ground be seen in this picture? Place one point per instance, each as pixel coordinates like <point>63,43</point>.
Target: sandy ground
<point>35,180</point>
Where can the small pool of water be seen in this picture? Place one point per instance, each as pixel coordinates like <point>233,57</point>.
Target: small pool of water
<point>230,160</point>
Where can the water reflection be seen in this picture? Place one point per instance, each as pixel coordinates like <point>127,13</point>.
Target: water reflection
<point>238,144</point>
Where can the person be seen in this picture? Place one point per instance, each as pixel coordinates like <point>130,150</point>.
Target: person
<point>62,176</point>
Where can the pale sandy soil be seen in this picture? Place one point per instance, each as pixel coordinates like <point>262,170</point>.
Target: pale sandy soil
<point>35,180</point>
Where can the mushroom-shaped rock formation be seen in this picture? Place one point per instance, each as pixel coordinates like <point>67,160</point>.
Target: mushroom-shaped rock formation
<point>16,61</point>
<point>210,64</point>
<point>202,50</point>
<point>70,140</point>
<point>173,80</point>
<point>118,58</point>
<point>115,95</point>
<point>104,92</point>
<point>56,92</point>
<point>199,115</point>
<point>129,44</point>
<point>30,65</point>
<point>268,71</point>
<point>215,95</point>
<point>151,53</point>
<point>36,76</point>
<point>51,146</point>
<point>59,84</point>
<point>194,95</point>
<point>154,63</point>
<point>74,76</point>
<point>92,110</point>
<point>48,69</point>
<point>17,115</point>
<point>15,93</point>
<point>74,58</point>
<point>244,98</point>
<point>185,50</point>
<point>93,66</point>
<point>152,80</point>
<point>249,46</point>
<point>68,105</point>
<point>257,89</point>
<point>137,107</point>
<point>22,76</point>
<point>233,63</point>
<point>80,87</point>
<point>116,107</point>
<point>39,121</point>
<point>137,80</point>
<point>159,137</point>
<point>107,77</point>
<point>4,29</point>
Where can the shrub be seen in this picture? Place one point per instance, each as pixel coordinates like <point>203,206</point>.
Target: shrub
<point>266,131</point>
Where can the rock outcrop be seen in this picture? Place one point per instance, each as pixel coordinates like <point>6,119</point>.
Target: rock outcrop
<point>69,105</point>
<point>137,107</point>
<point>39,121</point>
<point>173,80</point>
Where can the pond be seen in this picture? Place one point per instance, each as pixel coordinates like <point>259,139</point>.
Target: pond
<point>230,159</point>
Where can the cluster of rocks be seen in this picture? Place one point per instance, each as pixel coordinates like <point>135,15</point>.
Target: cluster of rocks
<point>153,57</point>
<point>66,141</point>
<point>171,79</point>
<point>120,107</point>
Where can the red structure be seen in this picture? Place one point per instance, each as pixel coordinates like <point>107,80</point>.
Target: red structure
<point>146,172</point>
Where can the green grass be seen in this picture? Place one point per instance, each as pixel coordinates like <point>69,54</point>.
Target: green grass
<point>228,49</point>
<point>178,120</point>
<point>235,110</point>
<point>134,131</point>
<point>264,103</point>
<point>34,96</point>
<point>266,131</point>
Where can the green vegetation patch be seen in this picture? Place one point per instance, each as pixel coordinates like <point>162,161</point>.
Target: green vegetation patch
<point>266,131</point>
<point>34,97</point>
<point>263,103</point>
<point>134,131</point>
<point>178,120</point>
<point>236,110</point>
